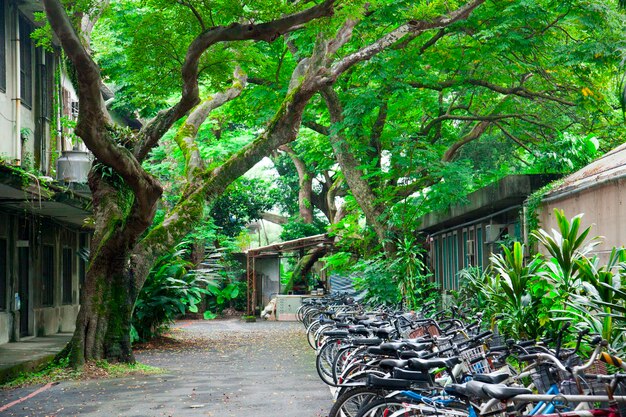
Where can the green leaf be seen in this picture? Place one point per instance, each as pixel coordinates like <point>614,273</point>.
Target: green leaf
<point>208,315</point>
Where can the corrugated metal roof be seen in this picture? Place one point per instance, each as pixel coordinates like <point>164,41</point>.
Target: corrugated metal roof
<point>291,245</point>
<point>609,166</point>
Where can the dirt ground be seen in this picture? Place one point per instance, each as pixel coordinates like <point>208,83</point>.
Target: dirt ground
<point>212,368</point>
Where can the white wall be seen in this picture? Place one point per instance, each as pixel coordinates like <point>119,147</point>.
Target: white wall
<point>8,148</point>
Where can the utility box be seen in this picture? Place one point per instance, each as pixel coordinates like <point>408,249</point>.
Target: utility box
<point>287,306</point>
<point>493,232</point>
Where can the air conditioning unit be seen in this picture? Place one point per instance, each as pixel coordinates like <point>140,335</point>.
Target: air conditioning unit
<point>493,232</point>
<point>469,248</point>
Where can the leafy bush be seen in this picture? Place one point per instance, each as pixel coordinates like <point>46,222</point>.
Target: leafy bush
<point>531,296</point>
<point>228,290</point>
<point>401,278</point>
<point>171,289</point>
<point>296,229</point>
<point>374,278</point>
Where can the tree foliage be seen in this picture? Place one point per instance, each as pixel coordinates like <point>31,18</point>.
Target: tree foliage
<point>405,104</point>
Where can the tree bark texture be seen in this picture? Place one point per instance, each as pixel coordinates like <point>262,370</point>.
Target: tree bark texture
<point>125,200</point>
<point>361,189</point>
<point>304,266</point>
<point>305,184</point>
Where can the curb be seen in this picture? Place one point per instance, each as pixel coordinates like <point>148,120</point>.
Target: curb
<point>11,372</point>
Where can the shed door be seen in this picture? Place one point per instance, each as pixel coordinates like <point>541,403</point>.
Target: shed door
<point>24,286</point>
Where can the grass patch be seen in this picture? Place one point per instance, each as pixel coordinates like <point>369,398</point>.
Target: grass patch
<point>61,371</point>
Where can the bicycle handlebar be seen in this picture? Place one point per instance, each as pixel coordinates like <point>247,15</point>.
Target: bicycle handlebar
<point>557,363</point>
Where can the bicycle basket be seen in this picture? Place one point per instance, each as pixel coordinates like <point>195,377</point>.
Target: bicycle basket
<point>420,331</point>
<point>474,362</point>
<point>543,376</point>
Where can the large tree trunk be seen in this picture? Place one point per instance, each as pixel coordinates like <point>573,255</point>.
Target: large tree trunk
<point>110,290</point>
<point>304,266</point>
<point>305,184</point>
<point>354,176</point>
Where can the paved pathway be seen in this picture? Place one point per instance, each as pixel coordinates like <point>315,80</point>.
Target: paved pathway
<point>263,369</point>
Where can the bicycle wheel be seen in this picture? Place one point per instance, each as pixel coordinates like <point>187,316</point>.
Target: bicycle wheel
<point>325,359</point>
<point>311,331</point>
<point>350,402</point>
<point>342,359</point>
<point>319,335</point>
<point>385,407</point>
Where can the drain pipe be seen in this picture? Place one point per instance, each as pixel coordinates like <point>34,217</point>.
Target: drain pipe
<point>18,99</point>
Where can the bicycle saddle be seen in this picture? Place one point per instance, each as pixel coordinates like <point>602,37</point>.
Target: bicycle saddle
<point>365,341</point>
<point>491,378</point>
<point>387,383</point>
<point>502,392</point>
<point>417,364</point>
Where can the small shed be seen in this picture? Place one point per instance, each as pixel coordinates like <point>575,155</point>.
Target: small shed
<point>599,192</point>
<point>263,267</point>
<point>467,234</point>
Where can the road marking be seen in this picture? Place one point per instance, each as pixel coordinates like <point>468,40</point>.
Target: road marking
<point>31,395</point>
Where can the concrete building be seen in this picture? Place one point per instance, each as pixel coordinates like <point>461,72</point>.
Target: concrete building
<point>41,221</point>
<point>598,191</point>
<point>466,234</point>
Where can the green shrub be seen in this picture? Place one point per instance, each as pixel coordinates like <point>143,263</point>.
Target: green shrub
<point>171,289</point>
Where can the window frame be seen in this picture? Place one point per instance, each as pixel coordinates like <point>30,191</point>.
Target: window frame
<point>67,271</point>
<point>26,62</point>
<point>47,275</point>
<point>4,273</point>
<point>3,47</point>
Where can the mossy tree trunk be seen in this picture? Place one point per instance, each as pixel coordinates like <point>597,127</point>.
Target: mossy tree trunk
<point>109,292</point>
<point>304,266</point>
<point>305,186</point>
<point>125,199</point>
<point>125,195</point>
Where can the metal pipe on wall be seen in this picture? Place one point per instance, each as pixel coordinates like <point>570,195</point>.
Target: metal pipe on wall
<point>17,96</point>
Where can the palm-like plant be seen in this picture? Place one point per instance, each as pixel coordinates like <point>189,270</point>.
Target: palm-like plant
<point>511,291</point>
<point>602,303</point>
<point>566,247</point>
<point>474,289</point>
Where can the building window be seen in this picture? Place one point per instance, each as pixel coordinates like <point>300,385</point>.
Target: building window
<point>436,269</point>
<point>444,261</point>
<point>26,63</point>
<point>47,72</point>
<point>83,258</point>
<point>479,246</point>
<point>67,275</point>
<point>465,249</point>
<point>455,268</point>
<point>3,274</point>
<point>3,49</point>
<point>47,276</point>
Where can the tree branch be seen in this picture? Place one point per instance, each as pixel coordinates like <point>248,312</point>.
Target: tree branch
<point>394,36</point>
<point>471,118</point>
<point>186,136</point>
<point>518,91</point>
<point>274,218</point>
<point>475,133</point>
<point>316,127</point>
<point>268,32</point>
<point>93,121</point>
<point>513,138</point>
<point>194,11</point>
